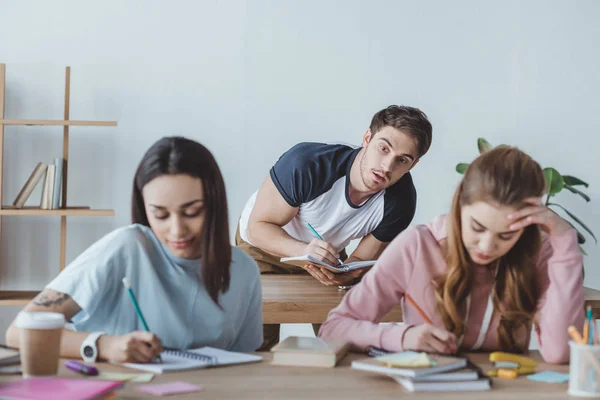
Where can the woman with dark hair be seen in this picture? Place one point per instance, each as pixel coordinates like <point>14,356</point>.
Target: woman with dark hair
<point>193,287</point>
<point>498,264</point>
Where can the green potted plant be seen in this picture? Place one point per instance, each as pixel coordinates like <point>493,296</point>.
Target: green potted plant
<point>556,182</point>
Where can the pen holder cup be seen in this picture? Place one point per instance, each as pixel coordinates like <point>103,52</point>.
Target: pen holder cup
<point>584,370</point>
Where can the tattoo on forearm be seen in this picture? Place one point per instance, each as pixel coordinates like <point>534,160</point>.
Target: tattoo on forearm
<point>47,299</point>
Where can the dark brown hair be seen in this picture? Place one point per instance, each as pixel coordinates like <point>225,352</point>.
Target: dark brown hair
<point>504,176</point>
<point>408,120</point>
<point>178,155</point>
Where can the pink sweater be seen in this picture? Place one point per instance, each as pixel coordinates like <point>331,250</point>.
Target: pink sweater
<point>415,257</point>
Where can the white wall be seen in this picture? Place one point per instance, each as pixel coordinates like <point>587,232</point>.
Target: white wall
<point>251,78</point>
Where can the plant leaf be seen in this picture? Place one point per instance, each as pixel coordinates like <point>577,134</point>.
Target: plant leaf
<point>483,145</point>
<point>582,251</point>
<point>554,181</point>
<point>461,168</point>
<point>575,219</point>
<point>576,191</point>
<point>571,180</point>
<point>580,238</point>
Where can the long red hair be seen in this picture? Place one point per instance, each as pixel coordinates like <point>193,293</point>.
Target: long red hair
<point>504,176</point>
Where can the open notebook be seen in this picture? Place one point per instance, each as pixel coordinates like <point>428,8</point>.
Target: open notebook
<point>179,360</point>
<point>308,259</point>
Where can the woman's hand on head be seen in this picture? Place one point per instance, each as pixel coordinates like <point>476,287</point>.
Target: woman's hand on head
<point>430,339</point>
<point>537,213</point>
<point>136,347</point>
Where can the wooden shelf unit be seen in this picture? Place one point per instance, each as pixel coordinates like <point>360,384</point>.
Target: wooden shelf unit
<point>40,122</point>
<point>15,297</point>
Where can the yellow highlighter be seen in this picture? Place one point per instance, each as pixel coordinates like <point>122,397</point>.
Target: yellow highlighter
<point>510,373</point>
<point>499,356</point>
<point>511,365</point>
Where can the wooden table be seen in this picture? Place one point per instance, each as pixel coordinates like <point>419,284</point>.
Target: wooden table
<point>266,381</point>
<point>289,299</point>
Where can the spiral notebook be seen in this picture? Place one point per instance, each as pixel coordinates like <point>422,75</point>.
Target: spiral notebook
<point>308,259</point>
<point>204,357</point>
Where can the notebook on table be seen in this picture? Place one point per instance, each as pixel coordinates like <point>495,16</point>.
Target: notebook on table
<point>416,385</point>
<point>57,389</point>
<point>308,259</point>
<point>9,356</point>
<point>439,364</point>
<point>204,357</point>
<point>471,378</point>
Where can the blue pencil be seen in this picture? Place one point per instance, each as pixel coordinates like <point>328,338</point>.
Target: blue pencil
<point>137,307</point>
<point>320,238</point>
<point>590,325</point>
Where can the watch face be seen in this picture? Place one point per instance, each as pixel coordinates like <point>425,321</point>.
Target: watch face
<point>88,351</point>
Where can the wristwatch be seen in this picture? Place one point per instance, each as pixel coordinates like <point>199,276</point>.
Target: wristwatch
<point>89,349</point>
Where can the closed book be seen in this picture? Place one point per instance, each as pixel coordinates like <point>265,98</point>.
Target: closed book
<point>46,202</point>
<point>28,187</point>
<point>415,385</point>
<point>471,378</point>
<point>309,351</point>
<point>440,364</point>
<point>58,178</point>
<point>9,356</point>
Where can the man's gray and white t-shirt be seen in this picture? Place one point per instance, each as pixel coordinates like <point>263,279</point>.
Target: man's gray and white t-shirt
<point>315,177</point>
<point>169,290</point>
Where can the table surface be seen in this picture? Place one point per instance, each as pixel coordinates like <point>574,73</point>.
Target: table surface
<point>266,381</point>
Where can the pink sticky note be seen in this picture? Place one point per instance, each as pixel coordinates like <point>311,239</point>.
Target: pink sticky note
<point>165,389</point>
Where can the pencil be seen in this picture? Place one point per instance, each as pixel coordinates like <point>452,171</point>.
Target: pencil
<point>419,310</point>
<point>137,308</point>
<point>320,238</point>
<point>589,336</point>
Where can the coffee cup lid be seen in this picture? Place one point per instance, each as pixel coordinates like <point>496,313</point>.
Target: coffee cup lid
<point>40,320</point>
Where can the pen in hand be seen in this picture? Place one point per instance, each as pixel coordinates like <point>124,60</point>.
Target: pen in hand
<point>137,308</point>
<point>320,238</point>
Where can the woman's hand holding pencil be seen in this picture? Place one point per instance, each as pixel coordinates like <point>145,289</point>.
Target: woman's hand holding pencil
<point>136,347</point>
<point>427,337</point>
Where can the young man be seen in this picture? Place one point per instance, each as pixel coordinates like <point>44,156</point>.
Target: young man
<point>345,193</point>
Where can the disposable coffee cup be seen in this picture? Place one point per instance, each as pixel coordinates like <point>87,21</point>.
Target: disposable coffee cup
<point>40,342</point>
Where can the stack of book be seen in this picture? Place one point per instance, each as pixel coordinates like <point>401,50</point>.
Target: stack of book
<point>418,372</point>
<point>10,360</point>
<point>51,189</point>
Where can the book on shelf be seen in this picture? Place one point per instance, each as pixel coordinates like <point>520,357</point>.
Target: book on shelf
<point>309,352</point>
<point>58,178</point>
<point>32,181</point>
<point>46,202</point>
